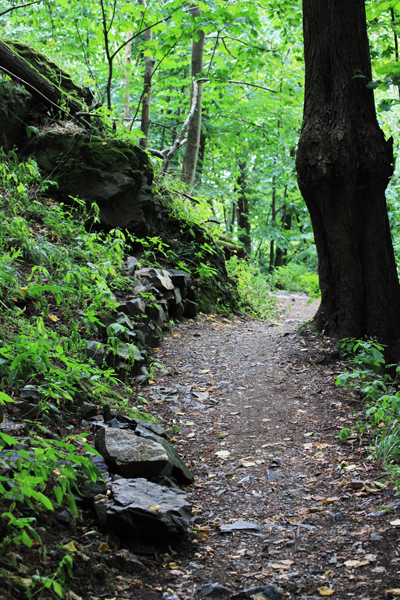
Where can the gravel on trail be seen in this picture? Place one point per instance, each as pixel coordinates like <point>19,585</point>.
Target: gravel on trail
<point>278,499</point>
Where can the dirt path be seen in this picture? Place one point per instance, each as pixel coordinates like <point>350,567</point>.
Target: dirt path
<point>256,414</point>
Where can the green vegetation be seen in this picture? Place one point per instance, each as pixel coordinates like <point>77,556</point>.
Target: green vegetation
<point>376,385</point>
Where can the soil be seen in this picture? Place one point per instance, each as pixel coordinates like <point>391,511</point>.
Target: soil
<point>268,397</point>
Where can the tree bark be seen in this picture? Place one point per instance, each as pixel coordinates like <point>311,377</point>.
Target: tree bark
<point>149,63</point>
<point>243,208</point>
<point>128,62</point>
<point>40,87</point>
<point>343,167</point>
<point>193,144</point>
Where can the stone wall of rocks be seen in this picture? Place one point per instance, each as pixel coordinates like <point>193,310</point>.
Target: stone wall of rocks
<point>138,322</point>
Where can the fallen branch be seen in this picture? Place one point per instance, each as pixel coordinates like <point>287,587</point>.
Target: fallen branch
<point>261,87</point>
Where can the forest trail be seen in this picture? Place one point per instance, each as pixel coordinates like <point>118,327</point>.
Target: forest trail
<point>258,414</point>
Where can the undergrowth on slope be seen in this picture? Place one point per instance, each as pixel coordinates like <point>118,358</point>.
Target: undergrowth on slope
<point>376,384</point>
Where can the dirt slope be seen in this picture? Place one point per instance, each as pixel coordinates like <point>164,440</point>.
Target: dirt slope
<point>264,395</point>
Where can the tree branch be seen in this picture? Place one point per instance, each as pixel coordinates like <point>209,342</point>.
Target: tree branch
<point>20,6</point>
<point>178,140</point>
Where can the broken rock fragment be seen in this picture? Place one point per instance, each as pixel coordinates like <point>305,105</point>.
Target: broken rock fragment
<point>145,512</point>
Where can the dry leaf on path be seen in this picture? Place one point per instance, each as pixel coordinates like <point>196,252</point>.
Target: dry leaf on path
<point>394,591</point>
<point>326,591</point>
<point>103,547</point>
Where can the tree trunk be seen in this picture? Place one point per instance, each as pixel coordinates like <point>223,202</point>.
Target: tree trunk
<point>273,219</point>
<point>45,92</point>
<point>343,167</point>
<point>149,63</point>
<point>243,208</point>
<point>193,144</point>
<point>127,61</point>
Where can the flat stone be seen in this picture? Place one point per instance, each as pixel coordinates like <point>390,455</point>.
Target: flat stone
<point>181,279</point>
<point>269,592</point>
<point>273,475</point>
<point>132,456</point>
<point>131,264</point>
<point>145,512</point>
<point>375,537</point>
<point>126,562</point>
<point>88,410</point>
<point>133,308</point>
<point>143,426</point>
<point>159,278</point>
<point>239,526</point>
<point>14,428</point>
<point>31,394</point>
<point>213,590</point>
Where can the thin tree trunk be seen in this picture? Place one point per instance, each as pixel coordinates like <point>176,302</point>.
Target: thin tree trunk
<point>149,63</point>
<point>243,208</point>
<point>343,167</point>
<point>128,62</point>
<point>273,219</point>
<point>193,144</point>
<point>279,254</point>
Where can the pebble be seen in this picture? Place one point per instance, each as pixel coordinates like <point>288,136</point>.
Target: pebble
<point>213,590</point>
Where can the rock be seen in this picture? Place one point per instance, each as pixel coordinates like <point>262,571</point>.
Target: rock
<point>336,518</point>
<point>64,516</point>
<point>14,106</point>
<point>97,351</point>
<point>179,470</point>
<point>151,426</point>
<point>276,463</point>
<point>31,394</point>
<point>145,512</point>
<point>134,308</point>
<point>375,537</point>
<point>156,314</point>
<point>132,456</point>
<point>88,410</point>
<point>239,526</point>
<point>131,264</point>
<point>191,309</point>
<point>126,562</point>
<point>28,410</point>
<point>213,590</point>
<point>268,592</point>
<point>177,296</point>
<point>170,596</point>
<point>273,475</point>
<point>159,278</point>
<point>180,279</point>
<point>113,174</point>
<point>14,428</point>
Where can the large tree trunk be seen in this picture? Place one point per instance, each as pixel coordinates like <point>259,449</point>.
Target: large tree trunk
<point>343,167</point>
<point>243,208</point>
<point>193,144</point>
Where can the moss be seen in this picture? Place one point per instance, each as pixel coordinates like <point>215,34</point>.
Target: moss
<point>48,69</point>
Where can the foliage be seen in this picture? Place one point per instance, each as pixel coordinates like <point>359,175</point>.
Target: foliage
<point>295,277</point>
<point>255,298</point>
<point>377,384</point>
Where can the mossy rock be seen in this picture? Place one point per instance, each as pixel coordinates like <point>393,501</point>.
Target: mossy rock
<point>111,173</point>
<point>14,107</point>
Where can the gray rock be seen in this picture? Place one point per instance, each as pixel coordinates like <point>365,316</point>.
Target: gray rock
<point>31,394</point>
<point>14,428</point>
<point>180,279</point>
<point>88,410</point>
<point>213,590</point>
<point>131,264</point>
<point>145,512</point>
<point>239,526</point>
<point>273,475</point>
<point>276,462</point>
<point>133,456</point>
<point>191,310</point>
<point>179,470</point>
<point>133,308</point>
<point>150,426</point>
<point>169,596</point>
<point>156,314</point>
<point>126,562</point>
<point>97,351</point>
<point>269,592</point>
<point>130,455</point>
<point>176,296</point>
<point>159,278</point>
<point>29,410</point>
<point>336,518</point>
<point>375,537</point>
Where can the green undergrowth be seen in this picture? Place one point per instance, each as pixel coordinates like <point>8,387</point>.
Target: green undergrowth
<point>295,277</point>
<point>254,292</point>
<point>377,386</point>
